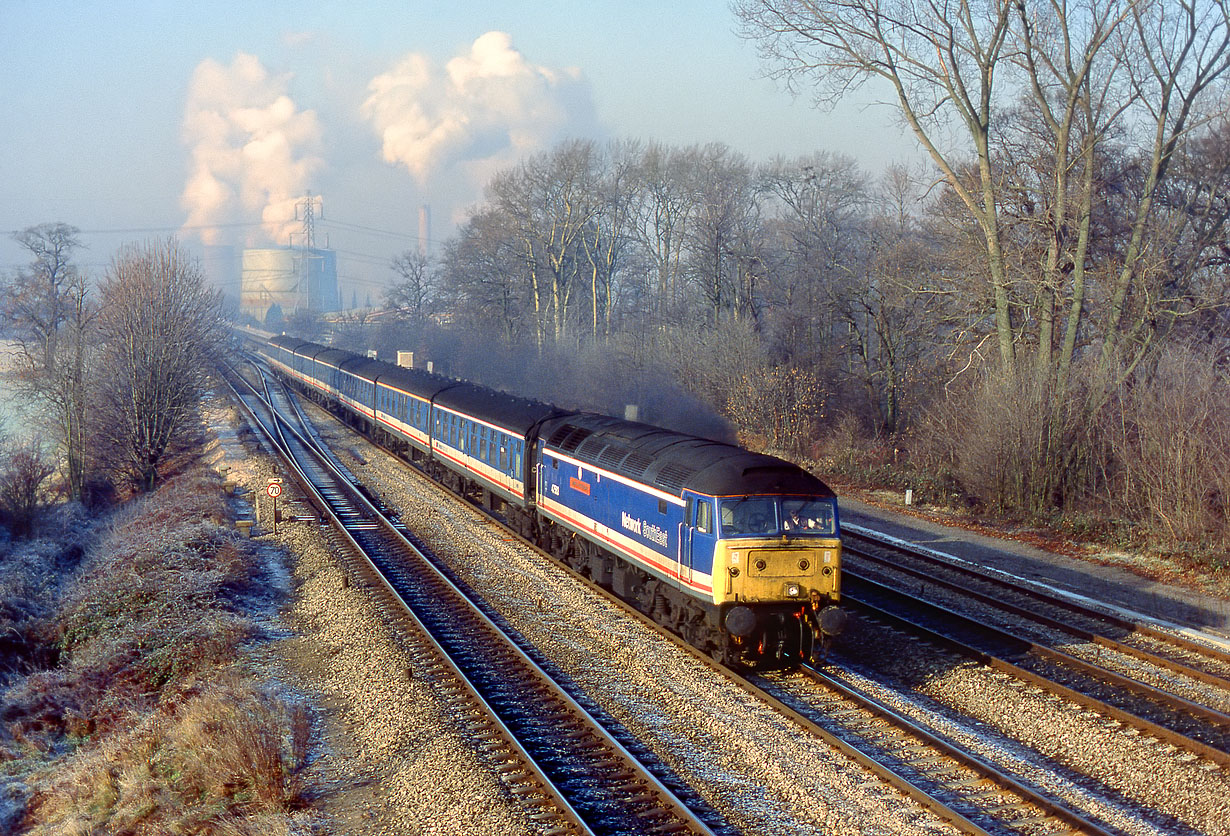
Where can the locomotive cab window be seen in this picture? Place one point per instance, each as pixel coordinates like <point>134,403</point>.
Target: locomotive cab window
<point>759,516</point>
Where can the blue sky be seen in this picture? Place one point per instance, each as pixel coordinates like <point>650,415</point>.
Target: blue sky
<point>111,109</point>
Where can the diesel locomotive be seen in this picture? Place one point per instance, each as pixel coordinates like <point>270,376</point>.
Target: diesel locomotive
<point>737,552</point>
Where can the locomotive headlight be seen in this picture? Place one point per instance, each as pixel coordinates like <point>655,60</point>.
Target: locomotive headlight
<point>793,590</point>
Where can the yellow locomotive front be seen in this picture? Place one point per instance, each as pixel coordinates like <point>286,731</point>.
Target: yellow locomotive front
<point>777,575</point>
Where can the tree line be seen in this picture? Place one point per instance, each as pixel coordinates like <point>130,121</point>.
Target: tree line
<point>1004,323</point>
<point>113,369</point>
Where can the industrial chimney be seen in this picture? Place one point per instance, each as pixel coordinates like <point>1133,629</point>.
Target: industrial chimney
<point>425,230</point>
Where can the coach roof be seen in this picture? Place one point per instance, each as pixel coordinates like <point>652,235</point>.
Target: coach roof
<point>499,408</point>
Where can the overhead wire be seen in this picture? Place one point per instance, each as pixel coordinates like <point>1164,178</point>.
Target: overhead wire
<point>353,257</point>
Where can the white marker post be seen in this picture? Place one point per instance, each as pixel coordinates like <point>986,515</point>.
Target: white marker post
<point>274,489</point>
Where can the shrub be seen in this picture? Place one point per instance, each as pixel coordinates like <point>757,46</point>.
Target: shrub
<point>1016,446</point>
<point>1168,429</point>
<point>780,404</point>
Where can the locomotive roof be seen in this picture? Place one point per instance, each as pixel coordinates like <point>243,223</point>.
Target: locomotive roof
<point>500,408</point>
<point>674,461</point>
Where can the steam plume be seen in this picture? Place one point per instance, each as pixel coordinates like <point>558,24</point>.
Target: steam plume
<point>252,149</point>
<point>480,112</point>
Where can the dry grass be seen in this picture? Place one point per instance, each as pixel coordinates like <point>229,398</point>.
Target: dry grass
<point>146,724</point>
<point>223,756</point>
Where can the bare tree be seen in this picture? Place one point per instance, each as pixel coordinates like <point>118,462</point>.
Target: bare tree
<point>662,206</point>
<point>725,210</point>
<point>35,304</point>
<point>24,467</point>
<point>608,235</point>
<point>51,316</point>
<point>821,200</point>
<point>483,277</point>
<point>890,317</point>
<point>162,328</point>
<point>1184,54</point>
<point>941,59</point>
<point>410,295</point>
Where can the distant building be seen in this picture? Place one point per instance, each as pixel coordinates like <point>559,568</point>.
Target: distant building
<point>288,280</point>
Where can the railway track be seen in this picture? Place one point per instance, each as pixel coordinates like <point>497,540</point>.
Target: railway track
<point>973,793</point>
<point>1029,649</point>
<point>556,759</point>
<point>1167,646</point>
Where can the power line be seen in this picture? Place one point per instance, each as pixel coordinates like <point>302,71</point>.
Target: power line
<point>136,229</point>
<point>352,256</point>
<point>405,235</point>
<point>344,225</point>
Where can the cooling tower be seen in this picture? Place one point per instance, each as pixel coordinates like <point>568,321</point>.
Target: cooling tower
<point>292,279</point>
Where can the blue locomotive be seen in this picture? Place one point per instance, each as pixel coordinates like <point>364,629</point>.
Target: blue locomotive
<point>737,552</point>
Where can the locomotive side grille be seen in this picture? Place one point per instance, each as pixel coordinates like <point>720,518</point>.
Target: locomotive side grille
<point>560,434</point>
<point>673,476</point>
<point>635,464</point>
<point>589,449</point>
<point>612,455</point>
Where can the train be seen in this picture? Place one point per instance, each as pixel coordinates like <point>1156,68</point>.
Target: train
<point>738,553</point>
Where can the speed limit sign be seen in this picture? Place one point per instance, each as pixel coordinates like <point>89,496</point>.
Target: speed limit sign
<point>274,489</point>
